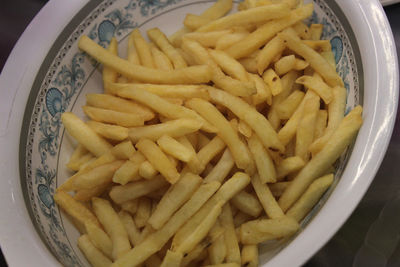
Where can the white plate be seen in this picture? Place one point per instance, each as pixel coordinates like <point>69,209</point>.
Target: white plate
<point>21,243</point>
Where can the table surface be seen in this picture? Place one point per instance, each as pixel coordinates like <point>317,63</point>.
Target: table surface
<point>370,237</point>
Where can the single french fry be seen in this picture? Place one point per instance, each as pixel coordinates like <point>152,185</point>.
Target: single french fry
<point>161,60</point>
<point>259,37</point>
<point>113,226</point>
<point>163,43</point>
<point>74,161</point>
<point>289,165</point>
<point>197,254</point>
<point>84,134</point>
<point>250,256</point>
<point>319,45</point>
<point>316,31</point>
<point>231,241</point>
<point>217,249</point>
<point>173,128</point>
<point>338,142</point>
<point>254,119</point>
<point>113,132</point>
<point>207,39</point>
<point>285,64</point>
<point>247,203</point>
<point>335,115</point>
<point>244,18</point>
<point>265,166</point>
<point>133,56</point>
<point>225,131</point>
<point>189,75</point>
<point>176,37</point>
<point>288,106</point>
<point>164,90</point>
<point>118,104</point>
<point>257,231</point>
<point>317,62</point>
<point>172,147</point>
<point>249,63</point>
<point>218,9</point>
<point>229,39</point>
<point>157,240</point>
<point>175,197</point>
<point>129,170</point>
<point>244,129</point>
<point>123,150</point>
<point>92,254</point>
<point>310,197</point>
<point>110,75</point>
<point>318,86</point>
<point>99,239</point>
<point>122,193</point>
<point>273,81</point>
<point>320,123</point>
<point>229,189</point>
<point>74,208</point>
<point>300,64</point>
<point>330,57</point>
<point>266,198</point>
<point>306,128</point>
<point>158,159</point>
<point>172,259</point>
<point>222,168</point>
<point>85,195</point>
<point>143,212</point>
<point>302,30</point>
<point>229,65</point>
<point>278,188</point>
<point>100,175</point>
<point>268,53</point>
<point>147,171</point>
<point>143,49</point>
<point>113,117</point>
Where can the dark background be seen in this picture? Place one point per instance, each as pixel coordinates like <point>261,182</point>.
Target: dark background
<point>370,237</point>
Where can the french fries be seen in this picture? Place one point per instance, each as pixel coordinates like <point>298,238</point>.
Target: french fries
<point>234,145</point>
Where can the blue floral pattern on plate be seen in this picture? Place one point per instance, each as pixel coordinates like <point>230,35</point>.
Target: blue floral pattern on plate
<point>66,78</point>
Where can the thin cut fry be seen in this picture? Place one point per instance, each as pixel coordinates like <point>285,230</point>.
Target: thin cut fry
<point>174,148</point>
<point>172,259</point>
<point>268,53</point>
<point>247,203</point>
<point>265,166</point>
<point>92,254</point>
<point>250,255</point>
<point>143,49</point>
<point>110,75</point>
<point>99,239</point>
<point>161,61</point>
<point>289,165</point>
<point>113,132</point>
<point>113,117</point>
<point>318,86</point>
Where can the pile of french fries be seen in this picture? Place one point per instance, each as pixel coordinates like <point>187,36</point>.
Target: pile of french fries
<point>209,142</point>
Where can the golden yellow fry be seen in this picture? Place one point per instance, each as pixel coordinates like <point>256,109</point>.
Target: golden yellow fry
<point>97,176</point>
<point>147,171</point>
<point>273,81</point>
<point>74,208</point>
<point>265,166</point>
<point>317,62</point>
<point>316,31</point>
<point>302,30</point>
<point>155,241</point>
<point>85,195</point>
<point>306,128</point>
<point>319,45</point>
<point>285,64</point>
<point>320,123</point>
<point>217,249</point>
<point>268,53</point>
<point>266,198</point>
<point>318,86</point>
<point>110,75</point>
<point>143,212</point>
<point>312,195</point>
<point>249,63</point>
<point>118,104</point>
<point>84,134</point>
<point>172,259</point>
<point>218,9</point>
<point>229,39</point>
<point>201,56</point>
<point>161,60</point>
<point>289,165</point>
<point>229,189</point>
<point>92,254</point>
<point>77,163</point>
<point>176,38</point>
<point>198,254</point>
<point>250,255</point>
<point>194,164</point>
<point>335,115</point>
<point>123,150</point>
<point>288,106</point>
<point>225,131</point>
<point>222,168</point>
<point>175,197</point>
<point>76,157</point>
<point>133,56</point>
<point>300,64</point>
<point>338,142</point>
<point>173,128</point>
<point>229,65</point>
<point>129,170</point>
<point>99,239</point>
<point>113,132</point>
<point>247,203</point>
<point>207,39</point>
<point>231,241</point>
<point>163,43</point>
<point>172,147</point>
<point>143,49</point>
<point>113,117</point>
<point>244,129</point>
<point>259,37</point>
<point>247,17</point>
<point>189,75</point>
<point>158,159</point>
<point>330,57</point>
<point>121,193</point>
<point>248,114</point>
<point>257,231</point>
<point>193,22</point>
<point>113,226</point>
